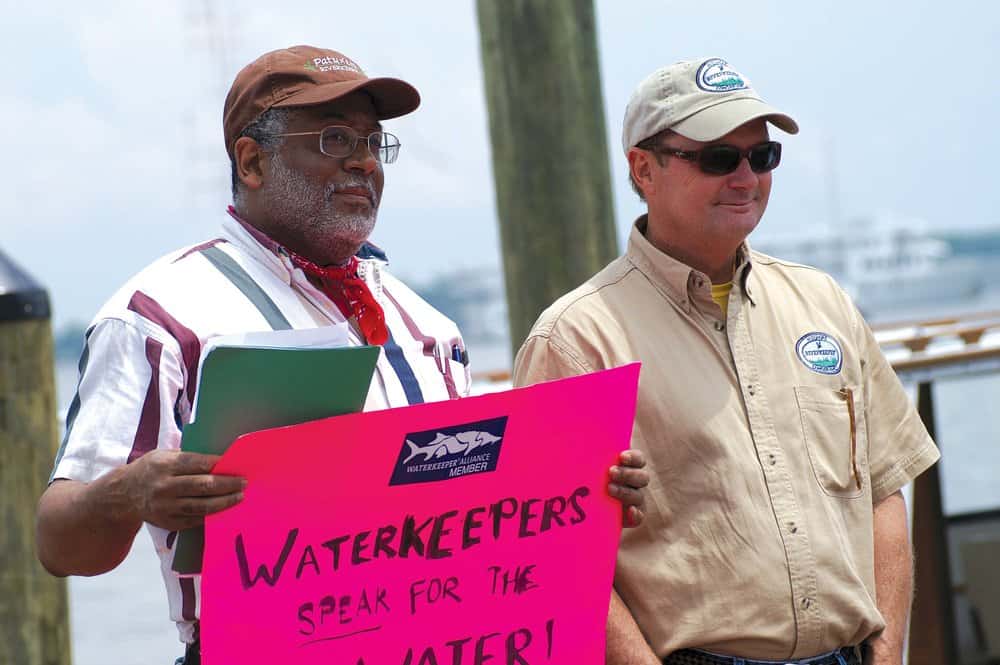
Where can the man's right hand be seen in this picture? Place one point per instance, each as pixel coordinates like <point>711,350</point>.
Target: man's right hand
<point>176,490</point>
<point>88,528</point>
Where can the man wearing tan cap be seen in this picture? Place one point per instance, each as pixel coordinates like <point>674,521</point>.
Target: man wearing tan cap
<point>777,434</point>
<point>302,128</point>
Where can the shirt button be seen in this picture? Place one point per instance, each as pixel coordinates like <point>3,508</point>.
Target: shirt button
<point>750,389</point>
<point>720,326</point>
<point>772,459</point>
<point>806,602</point>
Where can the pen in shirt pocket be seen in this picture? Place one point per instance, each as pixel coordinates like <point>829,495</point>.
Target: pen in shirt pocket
<point>848,396</point>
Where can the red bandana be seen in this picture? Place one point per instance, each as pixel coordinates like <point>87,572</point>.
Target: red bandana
<point>351,295</point>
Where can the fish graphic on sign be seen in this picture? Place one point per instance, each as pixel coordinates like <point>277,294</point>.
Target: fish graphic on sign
<point>462,442</point>
<point>450,451</point>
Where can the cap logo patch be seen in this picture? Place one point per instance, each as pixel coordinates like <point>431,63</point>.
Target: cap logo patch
<point>331,64</point>
<point>716,75</point>
<point>820,352</point>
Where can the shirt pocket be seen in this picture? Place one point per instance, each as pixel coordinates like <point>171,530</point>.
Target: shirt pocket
<point>461,376</point>
<point>834,437</point>
<point>445,374</point>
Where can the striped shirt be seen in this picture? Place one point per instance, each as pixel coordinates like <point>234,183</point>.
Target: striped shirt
<point>140,362</point>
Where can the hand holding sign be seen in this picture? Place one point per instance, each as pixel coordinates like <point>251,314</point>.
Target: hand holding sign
<point>453,532</point>
<point>628,479</point>
<point>176,490</point>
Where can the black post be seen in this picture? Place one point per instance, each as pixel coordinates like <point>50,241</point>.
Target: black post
<point>932,624</point>
<point>34,616</point>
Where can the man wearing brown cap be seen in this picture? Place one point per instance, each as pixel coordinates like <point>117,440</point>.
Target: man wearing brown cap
<point>303,131</point>
<point>777,434</point>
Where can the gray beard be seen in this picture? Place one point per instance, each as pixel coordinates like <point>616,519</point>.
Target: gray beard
<point>307,211</point>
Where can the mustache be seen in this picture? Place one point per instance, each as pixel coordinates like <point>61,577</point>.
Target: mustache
<point>354,183</point>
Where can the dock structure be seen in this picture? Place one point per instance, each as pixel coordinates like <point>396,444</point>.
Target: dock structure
<point>34,618</point>
<point>955,594</point>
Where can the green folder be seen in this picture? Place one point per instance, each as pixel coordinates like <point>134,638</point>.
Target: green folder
<point>246,389</point>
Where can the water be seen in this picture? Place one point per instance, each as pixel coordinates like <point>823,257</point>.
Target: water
<point>968,435</point>
<point>121,618</point>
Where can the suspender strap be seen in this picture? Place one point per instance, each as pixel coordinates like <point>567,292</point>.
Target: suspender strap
<point>241,280</point>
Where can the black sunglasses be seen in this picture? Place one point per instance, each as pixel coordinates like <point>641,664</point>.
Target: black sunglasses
<point>724,159</point>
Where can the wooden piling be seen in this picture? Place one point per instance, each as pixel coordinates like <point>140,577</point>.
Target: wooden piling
<point>932,621</point>
<point>550,156</point>
<point>34,616</point>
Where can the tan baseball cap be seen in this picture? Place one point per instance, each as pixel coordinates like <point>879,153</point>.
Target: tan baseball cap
<point>307,76</point>
<point>702,99</point>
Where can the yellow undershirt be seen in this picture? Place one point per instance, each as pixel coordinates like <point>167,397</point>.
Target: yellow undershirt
<point>720,294</point>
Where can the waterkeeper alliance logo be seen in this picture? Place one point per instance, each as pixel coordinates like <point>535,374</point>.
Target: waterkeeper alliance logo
<point>449,452</point>
<point>820,352</point>
<point>715,75</point>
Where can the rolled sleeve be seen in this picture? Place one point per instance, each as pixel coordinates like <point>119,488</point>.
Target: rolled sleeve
<point>900,447</point>
<point>128,385</point>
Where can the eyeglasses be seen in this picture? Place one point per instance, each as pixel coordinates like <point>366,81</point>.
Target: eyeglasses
<point>341,141</point>
<point>724,159</point>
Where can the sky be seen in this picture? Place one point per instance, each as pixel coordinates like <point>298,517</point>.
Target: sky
<point>113,152</point>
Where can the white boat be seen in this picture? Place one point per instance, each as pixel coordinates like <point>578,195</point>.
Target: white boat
<point>887,263</point>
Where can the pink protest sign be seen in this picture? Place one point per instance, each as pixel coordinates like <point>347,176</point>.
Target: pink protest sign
<point>440,534</point>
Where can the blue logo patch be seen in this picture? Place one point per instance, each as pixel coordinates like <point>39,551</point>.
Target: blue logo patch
<point>449,452</point>
<point>820,352</point>
<point>715,75</point>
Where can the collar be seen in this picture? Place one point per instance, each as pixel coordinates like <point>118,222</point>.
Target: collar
<point>262,238</point>
<point>343,285</point>
<point>369,251</point>
<point>673,277</point>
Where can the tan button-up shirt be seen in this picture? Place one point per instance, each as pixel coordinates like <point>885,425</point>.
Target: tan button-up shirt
<point>770,433</point>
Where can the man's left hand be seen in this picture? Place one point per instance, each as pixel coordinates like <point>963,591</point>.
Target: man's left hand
<point>628,478</point>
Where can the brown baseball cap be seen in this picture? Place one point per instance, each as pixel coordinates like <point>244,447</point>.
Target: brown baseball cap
<point>307,76</point>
